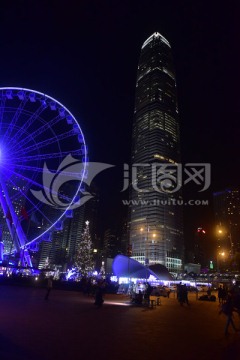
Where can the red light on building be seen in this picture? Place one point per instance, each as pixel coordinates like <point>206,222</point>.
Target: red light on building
<point>201,230</point>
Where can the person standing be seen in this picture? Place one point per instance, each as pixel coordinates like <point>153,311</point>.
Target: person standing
<point>220,294</point>
<point>99,294</point>
<point>49,287</point>
<point>185,294</point>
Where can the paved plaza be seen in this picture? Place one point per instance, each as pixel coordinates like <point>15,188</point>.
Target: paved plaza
<point>68,326</point>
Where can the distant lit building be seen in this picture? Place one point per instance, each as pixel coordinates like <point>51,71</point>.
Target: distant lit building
<point>59,251</point>
<point>200,253</point>
<point>65,240</point>
<point>111,244</point>
<point>156,225</point>
<point>227,218</point>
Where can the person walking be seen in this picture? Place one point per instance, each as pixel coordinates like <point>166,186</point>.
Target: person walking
<point>228,308</point>
<point>220,294</point>
<point>49,287</point>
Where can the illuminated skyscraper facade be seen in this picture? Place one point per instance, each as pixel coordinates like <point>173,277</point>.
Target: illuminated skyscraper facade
<point>156,226</point>
<point>227,218</point>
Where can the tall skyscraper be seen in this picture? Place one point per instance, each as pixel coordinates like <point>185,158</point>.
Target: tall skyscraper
<point>156,225</point>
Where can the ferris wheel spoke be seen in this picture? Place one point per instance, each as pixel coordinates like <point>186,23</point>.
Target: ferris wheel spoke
<point>2,111</point>
<point>48,156</point>
<point>46,189</point>
<point>27,124</point>
<point>15,118</point>
<point>34,169</point>
<point>39,131</point>
<point>46,170</point>
<point>47,142</point>
<point>34,205</point>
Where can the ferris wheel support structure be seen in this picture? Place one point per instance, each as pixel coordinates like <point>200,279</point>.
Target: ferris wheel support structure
<point>17,234</point>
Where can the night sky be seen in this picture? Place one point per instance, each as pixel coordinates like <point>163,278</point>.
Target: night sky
<point>85,54</point>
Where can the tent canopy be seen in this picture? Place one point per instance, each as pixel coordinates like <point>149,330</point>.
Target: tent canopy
<point>124,266</point>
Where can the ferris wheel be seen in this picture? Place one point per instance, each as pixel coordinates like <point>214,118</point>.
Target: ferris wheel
<point>43,160</point>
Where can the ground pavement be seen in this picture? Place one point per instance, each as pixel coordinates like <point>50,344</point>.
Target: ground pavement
<point>68,326</point>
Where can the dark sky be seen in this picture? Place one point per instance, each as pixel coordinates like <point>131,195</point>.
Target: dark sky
<point>85,53</point>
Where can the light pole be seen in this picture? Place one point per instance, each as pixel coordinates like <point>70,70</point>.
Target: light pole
<point>147,253</point>
<point>230,238</point>
<point>225,234</point>
<point>220,255</point>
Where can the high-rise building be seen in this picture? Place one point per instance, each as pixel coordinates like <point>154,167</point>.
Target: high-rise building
<point>111,244</point>
<point>227,218</point>
<point>65,240</point>
<point>156,225</point>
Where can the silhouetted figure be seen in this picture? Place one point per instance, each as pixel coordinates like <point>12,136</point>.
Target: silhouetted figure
<point>185,294</point>
<point>139,298</point>
<point>99,295</point>
<point>180,293</point>
<point>227,308</point>
<point>224,295</point>
<point>209,292</point>
<point>89,287</point>
<point>148,292</point>
<point>220,294</point>
<point>49,287</point>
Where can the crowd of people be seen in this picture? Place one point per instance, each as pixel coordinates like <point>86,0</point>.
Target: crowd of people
<point>140,293</point>
<point>228,299</point>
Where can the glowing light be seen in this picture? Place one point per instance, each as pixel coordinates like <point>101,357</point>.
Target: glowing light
<point>156,35</point>
<point>116,303</point>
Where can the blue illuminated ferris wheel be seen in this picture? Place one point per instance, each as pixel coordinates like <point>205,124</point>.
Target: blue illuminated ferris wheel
<point>42,165</point>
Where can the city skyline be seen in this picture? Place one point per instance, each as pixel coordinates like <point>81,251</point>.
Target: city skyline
<point>87,55</point>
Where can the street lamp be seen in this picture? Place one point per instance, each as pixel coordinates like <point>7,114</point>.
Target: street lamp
<point>220,254</point>
<point>225,234</point>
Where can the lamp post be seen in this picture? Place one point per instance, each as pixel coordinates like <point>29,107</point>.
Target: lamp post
<point>220,255</point>
<point>223,234</point>
<point>220,234</point>
<point>230,238</point>
<point>146,253</point>
<point>149,236</point>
